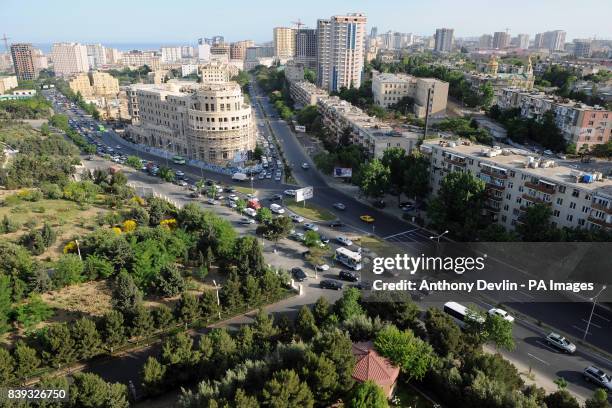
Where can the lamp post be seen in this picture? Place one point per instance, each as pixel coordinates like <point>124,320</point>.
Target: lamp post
<point>437,237</point>
<point>217,287</point>
<point>594,300</point>
<point>252,189</point>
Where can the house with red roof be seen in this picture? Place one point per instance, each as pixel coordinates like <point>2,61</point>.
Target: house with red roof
<point>372,366</point>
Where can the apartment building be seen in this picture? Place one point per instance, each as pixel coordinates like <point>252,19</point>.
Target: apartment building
<point>284,42</point>
<point>341,51</point>
<point>582,48</point>
<point>522,41</point>
<point>238,49</point>
<point>580,124</point>
<point>515,180</point>
<point>501,39</point>
<point>171,54</point>
<point>96,55</point>
<point>136,58</point>
<point>550,40</point>
<point>7,82</point>
<point>485,41</point>
<point>217,71</point>
<point>305,93</point>
<point>444,40</point>
<point>69,58</point>
<point>306,47</point>
<point>95,84</point>
<point>388,89</point>
<point>204,121</point>
<point>220,52</point>
<point>375,136</point>
<point>23,61</point>
<point>113,56</point>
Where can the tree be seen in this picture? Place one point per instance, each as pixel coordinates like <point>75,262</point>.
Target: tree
<point>68,270</point>
<point>32,312</point>
<point>413,355</point>
<point>113,330</point>
<point>416,176</point>
<point>48,234</point>
<point>58,345</point>
<point>395,160</point>
<point>367,395</point>
<point>375,179</point>
<point>126,295</point>
<point>34,242</point>
<point>348,305</point>
<point>276,229</point>
<point>5,301</point>
<point>230,293</point>
<point>86,337</point>
<point>153,376</point>
<point>257,152</point>
<point>321,310</point>
<point>89,390</point>
<point>561,399</point>
<point>187,310</point>
<point>251,292</point>
<point>443,333</point>
<point>142,322</point>
<point>598,400</point>
<point>133,162</point>
<point>312,239</point>
<point>242,400</point>
<point>7,367</point>
<point>305,325</point>
<point>535,225</point>
<point>166,174</point>
<point>162,316</point>
<point>26,360</point>
<point>499,331</point>
<point>169,281</point>
<point>487,93</point>
<point>264,215</point>
<point>97,267</point>
<point>285,390</point>
<point>337,346</point>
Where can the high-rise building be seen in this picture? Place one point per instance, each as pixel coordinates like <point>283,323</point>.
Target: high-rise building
<point>501,40</point>
<point>23,61</point>
<point>94,84</point>
<point>96,55</point>
<point>444,40</point>
<point>238,49</point>
<point>40,60</point>
<point>204,52</point>
<point>485,41</point>
<point>284,42</point>
<point>113,56</point>
<point>220,51</point>
<point>523,41</point>
<point>306,47</point>
<point>340,54</point>
<point>551,40</point>
<point>69,58</point>
<point>170,54</point>
<point>374,32</point>
<point>187,51</point>
<point>582,48</point>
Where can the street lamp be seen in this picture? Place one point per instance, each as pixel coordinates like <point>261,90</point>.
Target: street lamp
<point>594,300</point>
<point>252,190</point>
<point>437,237</point>
<point>218,301</point>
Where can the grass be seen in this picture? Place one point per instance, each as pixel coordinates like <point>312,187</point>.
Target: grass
<point>410,398</point>
<point>310,211</point>
<point>245,190</point>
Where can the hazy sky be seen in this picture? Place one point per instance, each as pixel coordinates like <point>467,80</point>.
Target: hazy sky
<point>157,21</point>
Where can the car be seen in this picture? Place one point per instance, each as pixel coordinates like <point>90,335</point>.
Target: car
<point>194,194</point>
<point>363,285</point>
<point>561,343</point>
<point>367,218</point>
<point>251,196</point>
<point>290,193</point>
<point>268,175</point>
<point>232,197</point>
<point>261,176</point>
<point>324,239</point>
<point>305,166</point>
<point>277,178</point>
<point>548,152</point>
<point>336,224</point>
<point>230,190</point>
<point>322,267</point>
<point>348,276</point>
<point>297,236</point>
<point>179,173</point>
<point>250,212</point>
<point>193,187</point>
<point>247,221</point>
<point>232,204</point>
<point>310,227</point>
<point>330,284</point>
<point>212,201</point>
<point>344,241</point>
<point>340,206</point>
<point>296,218</point>
<point>299,274</point>
<point>182,183</point>
<point>276,197</point>
<point>277,209</point>
<point>598,377</point>
<point>501,313</point>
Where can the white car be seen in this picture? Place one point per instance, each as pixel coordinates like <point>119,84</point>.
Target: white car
<point>344,241</point>
<point>251,196</point>
<point>310,227</point>
<point>250,212</point>
<point>501,313</point>
<point>232,204</point>
<point>340,206</point>
<point>305,166</point>
<point>212,201</point>
<point>232,197</point>
<point>247,221</point>
<point>179,173</point>
<point>277,209</point>
<point>296,218</point>
<point>322,267</point>
<point>290,193</point>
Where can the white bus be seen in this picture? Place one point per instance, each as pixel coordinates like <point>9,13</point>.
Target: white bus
<point>461,314</point>
<point>349,258</point>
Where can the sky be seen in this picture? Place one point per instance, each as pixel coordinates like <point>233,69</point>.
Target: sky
<point>183,21</point>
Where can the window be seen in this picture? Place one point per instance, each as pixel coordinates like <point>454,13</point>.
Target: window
<point>519,200</point>
<point>556,213</point>
<point>581,221</point>
<point>504,218</point>
<point>570,217</point>
<point>559,201</point>
<point>561,189</point>
<point>575,193</point>
<point>510,184</point>
<point>520,189</point>
<point>572,205</point>
<point>512,173</point>
<point>506,207</point>
<point>508,196</point>
<point>585,209</point>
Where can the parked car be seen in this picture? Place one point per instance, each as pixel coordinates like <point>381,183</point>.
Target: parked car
<point>340,206</point>
<point>324,239</point>
<point>336,224</point>
<point>298,274</point>
<point>501,313</point>
<point>348,276</point>
<point>247,221</point>
<point>344,241</point>
<point>276,197</point>
<point>297,236</point>
<point>310,227</point>
<point>322,267</point>
<point>598,377</point>
<point>212,201</point>
<point>250,212</point>
<point>290,193</point>
<point>561,343</point>
<point>277,209</point>
<point>330,284</point>
<point>296,218</point>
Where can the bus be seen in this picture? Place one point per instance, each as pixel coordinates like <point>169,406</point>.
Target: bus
<point>461,314</point>
<point>178,160</point>
<point>101,128</point>
<point>349,258</point>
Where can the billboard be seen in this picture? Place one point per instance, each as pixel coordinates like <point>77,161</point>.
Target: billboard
<point>304,194</point>
<point>300,128</point>
<point>343,172</point>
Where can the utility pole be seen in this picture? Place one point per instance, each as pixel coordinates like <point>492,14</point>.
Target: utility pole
<point>427,112</point>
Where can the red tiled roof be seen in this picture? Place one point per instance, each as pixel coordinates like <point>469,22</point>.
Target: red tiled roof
<point>372,366</point>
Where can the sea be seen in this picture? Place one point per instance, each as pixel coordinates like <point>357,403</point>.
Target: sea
<point>46,47</point>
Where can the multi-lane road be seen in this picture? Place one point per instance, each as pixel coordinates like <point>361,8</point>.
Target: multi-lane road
<point>531,351</point>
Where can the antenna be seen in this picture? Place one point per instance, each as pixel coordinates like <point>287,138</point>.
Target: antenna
<point>5,39</point>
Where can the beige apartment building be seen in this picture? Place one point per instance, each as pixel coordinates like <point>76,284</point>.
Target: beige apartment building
<point>516,179</point>
<point>135,59</point>
<point>204,121</point>
<point>580,123</point>
<point>69,58</point>
<point>388,89</point>
<point>95,84</point>
<point>7,82</point>
<point>305,93</point>
<point>238,49</point>
<point>217,71</point>
<point>284,42</point>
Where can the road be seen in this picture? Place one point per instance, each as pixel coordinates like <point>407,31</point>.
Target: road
<point>530,350</point>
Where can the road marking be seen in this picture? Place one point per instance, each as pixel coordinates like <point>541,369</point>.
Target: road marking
<point>578,328</point>
<point>515,299</point>
<point>601,317</point>
<point>547,346</point>
<point>539,359</point>
<point>400,233</point>
<point>592,324</point>
<point>525,294</point>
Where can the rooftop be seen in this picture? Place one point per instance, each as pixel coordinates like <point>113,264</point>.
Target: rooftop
<point>558,100</point>
<point>371,366</point>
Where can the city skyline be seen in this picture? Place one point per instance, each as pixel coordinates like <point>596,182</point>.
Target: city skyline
<point>249,21</point>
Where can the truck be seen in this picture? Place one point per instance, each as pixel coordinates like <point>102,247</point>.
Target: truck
<point>239,177</point>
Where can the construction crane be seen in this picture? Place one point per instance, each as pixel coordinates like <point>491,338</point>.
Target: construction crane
<point>5,39</point>
<point>298,23</point>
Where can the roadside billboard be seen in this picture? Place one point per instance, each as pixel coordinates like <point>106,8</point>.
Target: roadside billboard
<point>300,128</point>
<point>343,172</point>
<point>304,194</point>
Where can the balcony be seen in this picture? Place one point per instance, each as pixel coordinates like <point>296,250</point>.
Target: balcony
<point>491,208</point>
<point>601,207</point>
<point>536,199</point>
<point>456,161</point>
<point>492,196</point>
<point>495,187</point>
<point>599,221</point>
<point>540,187</point>
<point>492,173</point>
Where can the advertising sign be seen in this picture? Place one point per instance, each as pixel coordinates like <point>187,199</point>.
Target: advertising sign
<point>304,194</point>
<point>343,172</point>
<point>300,128</point>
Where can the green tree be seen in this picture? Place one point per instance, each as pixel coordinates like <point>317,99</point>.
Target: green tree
<point>126,295</point>
<point>153,376</point>
<point>113,330</point>
<point>443,333</point>
<point>89,390</point>
<point>561,399</point>
<point>7,367</point>
<point>367,395</point>
<point>187,310</point>
<point>348,305</point>
<point>321,310</point>
<point>166,174</point>
<point>251,292</point>
<point>32,312</point>
<point>86,338</point>
<point>395,160</point>
<point>133,162</point>
<point>312,239</point>
<point>97,267</point>
<point>536,225</point>
<point>5,302</point>
<point>34,242</point>
<point>58,345</point>
<point>598,400</point>
<point>26,360</point>
<point>242,400</point>
<point>305,325</point>
<point>337,346</point>
<point>264,215</point>
<point>162,315</point>
<point>48,234</point>
<point>276,229</point>
<point>285,390</point>
<point>68,270</point>
<point>499,331</point>
<point>375,179</point>
<point>142,323</point>
<point>413,355</point>
<point>169,281</point>
<point>230,293</point>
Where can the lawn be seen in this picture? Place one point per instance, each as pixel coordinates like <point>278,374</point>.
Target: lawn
<point>245,189</point>
<point>310,211</point>
<point>411,398</point>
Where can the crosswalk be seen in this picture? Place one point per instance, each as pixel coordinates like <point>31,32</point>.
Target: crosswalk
<point>412,235</point>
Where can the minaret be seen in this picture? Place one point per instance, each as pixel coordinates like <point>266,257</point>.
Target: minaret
<point>529,67</point>
<point>493,66</point>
